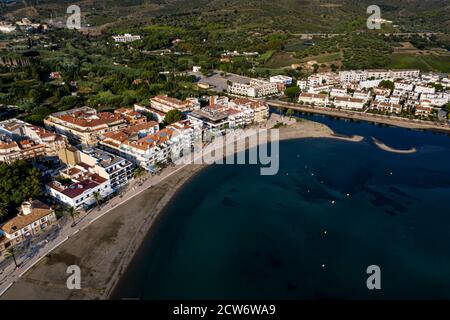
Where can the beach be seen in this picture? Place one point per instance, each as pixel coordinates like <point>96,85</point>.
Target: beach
<point>104,248</point>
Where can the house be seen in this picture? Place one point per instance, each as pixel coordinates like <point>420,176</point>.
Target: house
<point>320,88</point>
<point>362,95</point>
<point>33,218</point>
<point>349,103</point>
<point>404,85</point>
<point>131,116</point>
<point>312,98</point>
<point>420,88</point>
<point>55,75</point>
<point>423,110</point>
<point>387,107</point>
<point>338,92</point>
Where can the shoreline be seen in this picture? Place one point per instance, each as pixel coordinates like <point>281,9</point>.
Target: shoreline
<point>394,121</point>
<point>104,249</point>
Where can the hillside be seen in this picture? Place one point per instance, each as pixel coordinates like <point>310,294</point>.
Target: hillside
<point>283,15</point>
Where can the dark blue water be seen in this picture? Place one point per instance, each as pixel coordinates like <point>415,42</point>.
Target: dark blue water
<point>233,234</point>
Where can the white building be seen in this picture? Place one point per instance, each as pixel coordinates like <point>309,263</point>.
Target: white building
<point>256,88</point>
<point>338,92</point>
<point>107,165</point>
<point>387,107</point>
<point>420,88</point>
<point>126,38</point>
<point>165,104</point>
<point>362,95</point>
<point>436,99</point>
<point>312,98</point>
<point>7,28</point>
<point>302,84</point>
<point>281,79</point>
<point>349,103</point>
<point>352,76</point>
<point>80,191</point>
<point>404,85</point>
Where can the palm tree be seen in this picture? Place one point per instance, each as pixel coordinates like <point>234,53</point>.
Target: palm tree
<point>73,212</point>
<point>290,113</point>
<point>11,252</point>
<point>96,197</point>
<point>139,172</point>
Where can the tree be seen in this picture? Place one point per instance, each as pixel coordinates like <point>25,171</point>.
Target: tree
<point>290,113</point>
<point>139,172</point>
<point>19,181</point>
<point>173,116</point>
<point>11,252</point>
<point>72,212</point>
<point>96,195</point>
<point>3,209</point>
<point>387,85</point>
<point>292,92</point>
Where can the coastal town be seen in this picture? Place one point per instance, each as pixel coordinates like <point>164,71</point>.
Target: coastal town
<point>98,109</point>
<point>88,156</point>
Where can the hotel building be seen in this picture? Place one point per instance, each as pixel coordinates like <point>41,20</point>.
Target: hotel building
<point>84,125</point>
<point>256,88</point>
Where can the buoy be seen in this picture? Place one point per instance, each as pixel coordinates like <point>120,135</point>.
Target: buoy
<point>333,202</point>
<point>348,194</point>
<point>325,232</point>
<point>323,265</point>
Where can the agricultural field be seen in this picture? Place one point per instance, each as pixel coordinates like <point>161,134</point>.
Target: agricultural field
<point>280,60</point>
<point>423,62</point>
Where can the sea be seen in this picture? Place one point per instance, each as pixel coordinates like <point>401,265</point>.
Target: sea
<point>335,212</point>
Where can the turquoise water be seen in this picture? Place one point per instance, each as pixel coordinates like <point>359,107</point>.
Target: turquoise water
<point>311,231</point>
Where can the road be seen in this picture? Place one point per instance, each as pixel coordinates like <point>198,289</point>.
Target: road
<point>365,116</point>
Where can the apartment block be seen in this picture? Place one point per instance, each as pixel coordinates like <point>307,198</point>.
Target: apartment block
<point>84,125</point>
<point>21,140</point>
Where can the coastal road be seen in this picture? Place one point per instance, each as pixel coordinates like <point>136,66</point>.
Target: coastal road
<point>364,116</point>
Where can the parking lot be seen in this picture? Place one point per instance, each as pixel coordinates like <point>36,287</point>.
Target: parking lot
<point>218,82</point>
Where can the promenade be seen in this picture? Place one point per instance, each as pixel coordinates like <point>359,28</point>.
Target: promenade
<point>364,116</point>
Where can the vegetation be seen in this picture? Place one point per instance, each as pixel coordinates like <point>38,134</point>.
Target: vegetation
<point>173,116</point>
<point>19,181</point>
<point>12,252</point>
<point>72,212</point>
<point>387,85</point>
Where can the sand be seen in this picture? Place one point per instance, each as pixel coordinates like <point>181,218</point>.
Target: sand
<point>384,147</point>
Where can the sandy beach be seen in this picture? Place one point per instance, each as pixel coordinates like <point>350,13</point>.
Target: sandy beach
<point>384,147</point>
<point>104,248</point>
